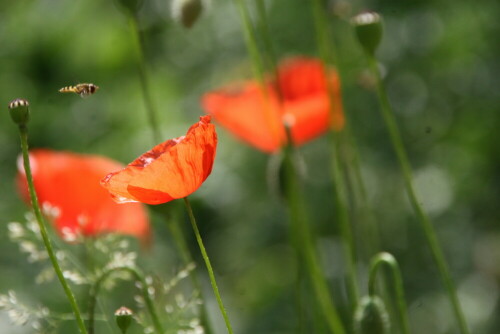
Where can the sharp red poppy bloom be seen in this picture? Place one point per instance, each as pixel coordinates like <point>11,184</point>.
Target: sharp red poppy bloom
<point>173,169</point>
<point>69,183</point>
<point>298,97</point>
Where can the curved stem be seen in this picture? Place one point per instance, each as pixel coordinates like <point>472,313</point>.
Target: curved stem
<point>390,261</point>
<point>207,263</point>
<point>146,91</point>
<point>94,290</point>
<point>428,228</point>
<point>23,131</point>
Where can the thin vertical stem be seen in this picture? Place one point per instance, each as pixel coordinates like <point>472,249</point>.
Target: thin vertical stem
<point>208,265</point>
<point>180,241</point>
<point>268,45</point>
<point>146,91</point>
<point>251,41</point>
<point>153,123</point>
<point>23,131</point>
<point>427,226</point>
<point>389,260</point>
<point>94,290</point>
<point>328,52</point>
<point>300,226</point>
<point>338,182</point>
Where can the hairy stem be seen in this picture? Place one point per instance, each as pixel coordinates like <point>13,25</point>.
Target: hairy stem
<point>180,241</point>
<point>208,265</point>
<point>304,239</point>
<point>390,261</point>
<point>428,228</point>
<point>23,131</point>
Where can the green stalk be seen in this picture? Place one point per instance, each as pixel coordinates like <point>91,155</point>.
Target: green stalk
<point>146,91</point>
<point>300,227</point>
<point>180,241</point>
<point>208,265</point>
<point>157,138</point>
<point>428,228</point>
<point>251,41</point>
<point>324,47</point>
<point>94,290</point>
<point>390,261</point>
<point>23,132</point>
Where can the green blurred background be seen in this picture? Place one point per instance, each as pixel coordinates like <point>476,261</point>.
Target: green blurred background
<point>441,65</point>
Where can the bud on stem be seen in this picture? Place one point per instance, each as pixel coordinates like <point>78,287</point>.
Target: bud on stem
<point>369,31</point>
<point>123,318</point>
<point>19,111</point>
<point>371,316</point>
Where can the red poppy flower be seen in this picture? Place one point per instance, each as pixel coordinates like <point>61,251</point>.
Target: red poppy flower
<point>173,169</point>
<point>257,116</point>
<point>69,182</point>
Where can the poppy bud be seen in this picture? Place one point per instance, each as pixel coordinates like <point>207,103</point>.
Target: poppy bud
<point>19,111</point>
<point>369,30</point>
<point>131,6</point>
<point>123,318</point>
<point>371,316</point>
<point>187,11</point>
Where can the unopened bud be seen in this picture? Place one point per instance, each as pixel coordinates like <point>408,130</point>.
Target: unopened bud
<point>369,30</point>
<point>187,11</point>
<point>19,111</point>
<point>123,318</point>
<point>371,317</point>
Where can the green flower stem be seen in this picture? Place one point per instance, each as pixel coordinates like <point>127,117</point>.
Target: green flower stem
<point>146,91</point>
<point>180,241</point>
<point>328,53</point>
<point>300,227</point>
<point>343,218</point>
<point>23,131</point>
<point>209,266</point>
<point>139,276</point>
<point>251,40</point>
<point>268,45</point>
<point>389,260</point>
<point>325,51</point>
<point>153,122</point>
<point>427,226</point>
<point>370,229</point>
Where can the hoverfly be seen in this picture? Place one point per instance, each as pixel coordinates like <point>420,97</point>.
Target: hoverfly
<point>82,89</point>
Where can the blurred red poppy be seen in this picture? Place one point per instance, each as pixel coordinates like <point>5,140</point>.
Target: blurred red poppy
<point>69,183</point>
<point>173,169</point>
<point>257,116</point>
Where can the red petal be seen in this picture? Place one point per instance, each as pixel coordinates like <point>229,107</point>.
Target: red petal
<point>305,103</point>
<point>301,77</point>
<point>246,114</point>
<point>70,182</point>
<point>173,169</point>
